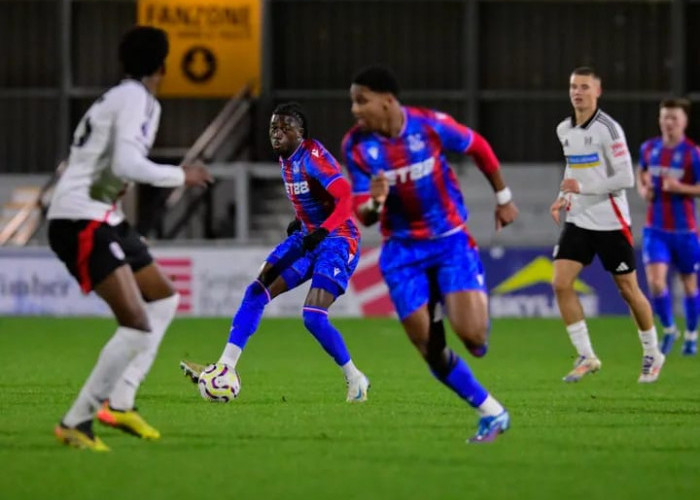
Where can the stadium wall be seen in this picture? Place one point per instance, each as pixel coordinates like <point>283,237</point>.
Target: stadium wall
<point>212,281</point>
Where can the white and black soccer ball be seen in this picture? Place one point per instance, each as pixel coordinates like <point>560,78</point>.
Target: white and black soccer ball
<point>219,383</point>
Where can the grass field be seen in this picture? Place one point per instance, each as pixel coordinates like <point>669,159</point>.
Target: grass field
<point>291,435</point>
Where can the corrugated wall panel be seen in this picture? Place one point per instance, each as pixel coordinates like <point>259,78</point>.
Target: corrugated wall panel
<point>29,41</point>
<point>322,44</point>
<point>97,28</point>
<point>28,135</point>
<point>534,45</point>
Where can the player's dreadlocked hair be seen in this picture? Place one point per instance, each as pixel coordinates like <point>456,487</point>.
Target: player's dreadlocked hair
<point>294,110</point>
<point>143,50</point>
<point>378,79</point>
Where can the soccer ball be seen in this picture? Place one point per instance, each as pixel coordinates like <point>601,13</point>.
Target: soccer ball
<point>219,383</point>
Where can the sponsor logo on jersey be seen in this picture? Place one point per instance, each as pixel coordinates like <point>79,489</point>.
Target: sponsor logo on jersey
<point>412,172</point>
<point>583,161</point>
<point>297,187</point>
<point>619,149</point>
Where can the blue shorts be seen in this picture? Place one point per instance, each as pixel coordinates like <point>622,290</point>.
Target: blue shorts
<point>678,248</point>
<point>331,262</point>
<point>406,265</point>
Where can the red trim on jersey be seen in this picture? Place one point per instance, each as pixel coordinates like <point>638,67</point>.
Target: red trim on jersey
<point>85,245</point>
<point>483,154</point>
<point>625,228</point>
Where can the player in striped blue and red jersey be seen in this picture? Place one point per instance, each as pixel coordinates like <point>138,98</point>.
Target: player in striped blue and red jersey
<point>323,240</point>
<point>401,178</point>
<point>668,174</point>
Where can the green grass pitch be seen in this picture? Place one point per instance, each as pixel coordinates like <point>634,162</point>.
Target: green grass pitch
<point>291,435</point>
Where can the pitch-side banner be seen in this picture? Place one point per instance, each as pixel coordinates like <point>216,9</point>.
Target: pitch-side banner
<point>212,281</point>
<point>215,45</point>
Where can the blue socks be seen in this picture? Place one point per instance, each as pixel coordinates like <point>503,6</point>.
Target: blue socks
<point>463,382</point>
<point>664,309</point>
<point>690,306</point>
<point>249,313</point>
<point>316,321</point>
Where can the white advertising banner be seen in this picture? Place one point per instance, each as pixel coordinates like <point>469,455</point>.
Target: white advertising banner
<point>211,281</point>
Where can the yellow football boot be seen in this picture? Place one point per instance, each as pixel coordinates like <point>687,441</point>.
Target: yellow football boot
<point>77,438</point>
<point>128,421</point>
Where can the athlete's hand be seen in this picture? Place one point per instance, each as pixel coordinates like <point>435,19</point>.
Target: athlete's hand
<point>645,187</point>
<point>505,214</point>
<point>379,187</point>
<point>671,185</point>
<point>570,186</point>
<point>311,240</point>
<point>556,207</point>
<point>197,174</point>
<point>293,227</point>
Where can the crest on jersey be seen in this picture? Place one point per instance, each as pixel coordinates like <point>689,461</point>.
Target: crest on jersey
<point>373,152</point>
<point>295,167</point>
<point>677,157</point>
<point>415,143</point>
<point>314,152</point>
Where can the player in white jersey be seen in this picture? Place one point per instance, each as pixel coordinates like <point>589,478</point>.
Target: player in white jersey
<point>88,232</point>
<point>598,170</point>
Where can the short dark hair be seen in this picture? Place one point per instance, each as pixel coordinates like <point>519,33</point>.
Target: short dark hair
<point>378,79</point>
<point>586,71</point>
<point>142,50</point>
<point>676,102</point>
<point>294,110</point>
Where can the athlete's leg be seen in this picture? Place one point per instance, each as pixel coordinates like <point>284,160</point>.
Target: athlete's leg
<point>247,319</point>
<point>161,303</point>
<point>315,313</point>
<point>653,359</point>
<point>120,291</point>
<point>657,255</point>
<point>468,314</point>
<point>565,274</point>
<point>690,308</point>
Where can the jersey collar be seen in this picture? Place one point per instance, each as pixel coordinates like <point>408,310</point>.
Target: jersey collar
<point>587,123</point>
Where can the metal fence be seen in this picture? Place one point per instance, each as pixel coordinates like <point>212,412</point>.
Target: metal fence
<point>500,66</point>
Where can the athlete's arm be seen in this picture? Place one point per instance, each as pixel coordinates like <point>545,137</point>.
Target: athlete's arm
<point>671,185</point>
<point>484,157</point>
<point>339,189</point>
<point>130,148</point>
<point>644,187</point>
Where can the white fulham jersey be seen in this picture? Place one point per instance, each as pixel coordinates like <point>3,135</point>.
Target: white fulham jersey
<point>109,151</point>
<point>598,158</point>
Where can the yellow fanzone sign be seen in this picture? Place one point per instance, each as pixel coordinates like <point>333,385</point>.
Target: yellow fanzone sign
<point>215,45</point>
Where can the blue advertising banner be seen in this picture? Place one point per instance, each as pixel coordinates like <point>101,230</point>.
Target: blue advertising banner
<point>519,281</point>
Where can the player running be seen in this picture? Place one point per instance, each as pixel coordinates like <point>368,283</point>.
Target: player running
<point>322,246</point>
<point>396,158</point>
<point>668,174</point>
<point>88,232</point>
<point>598,170</point>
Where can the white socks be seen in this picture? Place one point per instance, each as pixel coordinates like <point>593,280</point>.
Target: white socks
<point>116,355</point>
<point>350,370</point>
<point>691,335</point>
<point>160,315</point>
<point>649,340</point>
<point>230,355</point>
<point>578,333</point>
<point>490,407</point>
